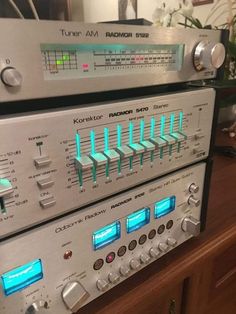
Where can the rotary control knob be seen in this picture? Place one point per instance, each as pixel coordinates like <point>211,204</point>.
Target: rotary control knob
<point>134,264</point>
<point>144,258</point>
<point>102,285</point>
<point>154,252</point>
<point>74,295</point>
<point>193,188</point>
<point>113,278</point>
<point>171,242</point>
<point>124,270</point>
<point>193,201</point>
<point>191,225</point>
<point>208,55</point>
<point>163,247</point>
<point>38,307</point>
<point>11,77</point>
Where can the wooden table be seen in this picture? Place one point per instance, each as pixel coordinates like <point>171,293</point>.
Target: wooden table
<point>197,277</point>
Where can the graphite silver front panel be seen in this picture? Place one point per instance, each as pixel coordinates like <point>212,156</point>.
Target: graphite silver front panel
<point>65,58</point>
<point>55,162</point>
<point>86,249</point>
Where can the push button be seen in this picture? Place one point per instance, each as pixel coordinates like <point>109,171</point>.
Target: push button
<point>83,163</point>
<point>45,183</point>
<point>111,155</point>
<point>125,151</point>
<point>99,159</point>
<point>42,161</point>
<point>48,202</point>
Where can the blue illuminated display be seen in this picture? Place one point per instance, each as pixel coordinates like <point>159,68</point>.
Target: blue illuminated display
<point>106,235</point>
<point>21,277</point>
<point>164,206</point>
<point>138,219</point>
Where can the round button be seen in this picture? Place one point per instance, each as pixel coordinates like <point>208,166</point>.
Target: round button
<point>161,229</point>
<point>11,77</point>
<point>110,257</point>
<point>132,245</point>
<point>98,264</point>
<point>152,234</point>
<point>169,224</point>
<point>142,239</point>
<point>121,251</point>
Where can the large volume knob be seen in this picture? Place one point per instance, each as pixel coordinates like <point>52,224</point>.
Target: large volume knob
<point>74,295</point>
<point>208,55</point>
<point>191,225</point>
<point>11,77</point>
<point>38,307</point>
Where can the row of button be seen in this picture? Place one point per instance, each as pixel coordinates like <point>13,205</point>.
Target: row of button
<point>136,263</point>
<point>125,151</point>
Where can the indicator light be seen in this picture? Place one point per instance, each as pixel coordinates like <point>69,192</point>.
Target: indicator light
<point>21,277</point>
<point>106,235</point>
<point>137,219</point>
<point>164,206</point>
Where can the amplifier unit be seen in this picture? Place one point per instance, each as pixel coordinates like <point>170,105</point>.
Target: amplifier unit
<point>61,266</point>
<point>58,161</point>
<point>45,59</point>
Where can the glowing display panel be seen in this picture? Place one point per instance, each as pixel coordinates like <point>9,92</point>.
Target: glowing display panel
<point>164,206</point>
<point>138,219</point>
<point>84,60</point>
<point>106,235</point>
<point>22,277</point>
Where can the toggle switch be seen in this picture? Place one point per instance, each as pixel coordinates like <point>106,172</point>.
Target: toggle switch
<point>111,155</point>
<point>99,159</point>
<point>169,139</point>
<point>137,148</point>
<point>45,183</point>
<point>42,161</point>
<point>83,163</point>
<point>125,151</point>
<point>149,146</point>
<point>158,141</point>
<point>47,202</point>
<point>5,187</point>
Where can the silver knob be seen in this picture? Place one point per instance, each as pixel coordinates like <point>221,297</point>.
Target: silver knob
<point>208,55</point>
<point>154,252</point>
<point>102,285</point>
<point>134,264</point>
<point>193,201</point>
<point>11,77</point>
<point>113,278</point>
<point>191,225</point>
<point>38,307</point>
<point>163,247</point>
<point>74,295</point>
<point>171,242</point>
<point>193,188</point>
<point>124,270</point>
<point>144,258</point>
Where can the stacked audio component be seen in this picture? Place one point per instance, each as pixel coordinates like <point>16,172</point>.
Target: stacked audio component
<point>112,185</point>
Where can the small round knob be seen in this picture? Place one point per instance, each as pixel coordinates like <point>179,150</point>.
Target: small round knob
<point>208,55</point>
<point>154,252</point>
<point>193,188</point>
<point>163,247</point>
<point>38,307</point>
<point>124,270</point>
<point>113,278</point>
<point>102,285</point>
<point>144,258</point>
<point>171,242</point>
<point>193,201</point>
<point>11,77</point>
<point>134,264</point>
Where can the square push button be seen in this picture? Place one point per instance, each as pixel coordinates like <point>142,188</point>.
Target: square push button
<point>42,161</point>
<point>45,183</point>
<point>47,202</point>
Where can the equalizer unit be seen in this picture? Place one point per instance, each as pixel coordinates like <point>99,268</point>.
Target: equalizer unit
<point>58,161</point>
<point>61,266</point>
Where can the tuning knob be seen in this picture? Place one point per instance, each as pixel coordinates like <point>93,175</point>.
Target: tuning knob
<point>11,77</point>
<point>193,188</point>
<point>38,307</point>
<point>193,201</point>
<point>191,225</point>
<point>74,295</point>
<point>208,55</point>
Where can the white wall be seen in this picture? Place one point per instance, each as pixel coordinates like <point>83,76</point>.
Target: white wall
<point>104,10</point>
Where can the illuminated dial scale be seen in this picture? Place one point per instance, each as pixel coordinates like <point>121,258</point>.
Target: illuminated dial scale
<point>93,60</point>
